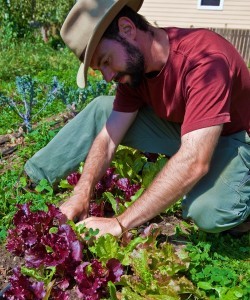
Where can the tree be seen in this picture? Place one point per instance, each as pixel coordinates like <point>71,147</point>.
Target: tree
<point>51,14</point>
<point>23,14</point>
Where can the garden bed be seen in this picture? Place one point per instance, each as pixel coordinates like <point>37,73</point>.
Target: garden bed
<point>216,265</point>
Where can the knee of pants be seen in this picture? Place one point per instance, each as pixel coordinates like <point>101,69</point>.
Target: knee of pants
<point>214,219</point>
<point>102,105</point>
<point>210,218</point>
<point>205,217</point>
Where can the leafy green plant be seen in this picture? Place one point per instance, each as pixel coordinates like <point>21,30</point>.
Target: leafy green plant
<point>129,163</point>
<point>78,96</point>
<point>28,92</point>
<point>158,274</point>
<point>7,31</point>
<point>28,15</point>
<point>28,106</point>
<point>15,15</point>
<point>217,264</point>
<point>54,259</point>
<point>47,13</point>
<point>150,170</point>
<point>219,269</point>
<point>54,253</point>
<point>37,59</point>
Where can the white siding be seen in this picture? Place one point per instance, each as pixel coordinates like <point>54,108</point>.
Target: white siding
<point>184,13</point>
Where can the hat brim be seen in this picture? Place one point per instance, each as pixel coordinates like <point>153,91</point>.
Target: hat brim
<point>97,34</point>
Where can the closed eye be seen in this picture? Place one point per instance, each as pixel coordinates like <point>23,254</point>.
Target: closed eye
<point>106,62</point>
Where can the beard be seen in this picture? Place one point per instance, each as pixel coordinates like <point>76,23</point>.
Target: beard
<point>135,64</point>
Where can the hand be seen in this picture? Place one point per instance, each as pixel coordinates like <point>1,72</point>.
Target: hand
<point>105,225</point>
<point>75,207</point>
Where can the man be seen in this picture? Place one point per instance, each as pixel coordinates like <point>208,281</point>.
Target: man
<point>181,92</point>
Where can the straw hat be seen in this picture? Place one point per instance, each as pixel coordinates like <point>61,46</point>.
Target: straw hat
<point>85,25</point>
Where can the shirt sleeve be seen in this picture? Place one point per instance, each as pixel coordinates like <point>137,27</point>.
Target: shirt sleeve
<point>208,93</point>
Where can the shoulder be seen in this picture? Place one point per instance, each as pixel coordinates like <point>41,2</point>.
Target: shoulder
<point>194,41</point>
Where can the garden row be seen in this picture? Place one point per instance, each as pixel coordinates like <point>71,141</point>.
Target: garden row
<point>38,84</point>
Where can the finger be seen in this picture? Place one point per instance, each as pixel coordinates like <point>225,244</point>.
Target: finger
<point>68,210</point>
<point>65,217</point>
<point>83,216</point>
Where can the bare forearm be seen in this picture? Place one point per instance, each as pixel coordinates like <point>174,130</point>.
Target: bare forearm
<point>97,162</point>
<point>175,180</point>
<point>177,177</point>
<point>102,151</point>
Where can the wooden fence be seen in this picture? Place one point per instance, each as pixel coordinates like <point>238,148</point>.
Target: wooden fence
<point>240,38</point>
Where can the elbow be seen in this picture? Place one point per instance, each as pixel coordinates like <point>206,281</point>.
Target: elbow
<point>201,169</point>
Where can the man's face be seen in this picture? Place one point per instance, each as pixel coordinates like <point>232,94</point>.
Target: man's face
<point>120,61</point>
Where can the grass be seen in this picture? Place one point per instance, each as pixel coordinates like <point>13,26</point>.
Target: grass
<point>37,59</point>
<point>219,264</point>
<point>41,62</point>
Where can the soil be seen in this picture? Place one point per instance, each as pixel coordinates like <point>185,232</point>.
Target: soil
<point>7,263</point>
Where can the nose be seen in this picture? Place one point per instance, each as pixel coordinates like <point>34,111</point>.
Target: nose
<point>107,74</point>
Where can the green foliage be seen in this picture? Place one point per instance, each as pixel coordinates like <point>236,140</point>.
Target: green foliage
<point>16,15</point>
<point>129,163</point>
<point>31,56</point>
<point>13,191</point>
<point>112,291</point>
<point>150,170</point>
<point>158,273</point>
<point>13,186</point>
<point>32,97</point>
<point>25,15</point>
<point>156,270</point>
<point>44,186</point>
<point>40,274</point>
<point>7,33</point>
<point>220,266</point>
<point>46,12</point>
<point>83,234</point>
<point>26,89</point>
<point>107,247</point>
<point>78,96</point>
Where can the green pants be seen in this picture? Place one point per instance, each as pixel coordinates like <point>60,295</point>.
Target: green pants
<point>220,201</point>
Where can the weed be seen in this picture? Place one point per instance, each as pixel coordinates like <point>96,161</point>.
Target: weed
<point>220,265</point>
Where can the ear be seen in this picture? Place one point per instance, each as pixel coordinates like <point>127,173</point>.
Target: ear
<point>127,28</point>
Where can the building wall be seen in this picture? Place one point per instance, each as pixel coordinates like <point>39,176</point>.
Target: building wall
<point>184,13</point>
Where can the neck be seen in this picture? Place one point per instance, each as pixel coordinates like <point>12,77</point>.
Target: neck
<point>155,48</point>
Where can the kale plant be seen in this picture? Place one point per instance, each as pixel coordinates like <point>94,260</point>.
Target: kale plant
<point>27,100</point>
<point>25,86</point>
<point>29,91</point>
<point>78,96</point>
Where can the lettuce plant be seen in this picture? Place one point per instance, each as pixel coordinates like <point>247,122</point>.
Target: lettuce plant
<point>111,187</point>
<point>23,288</point>
<point>92,278</point>
<point>54,260</point>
